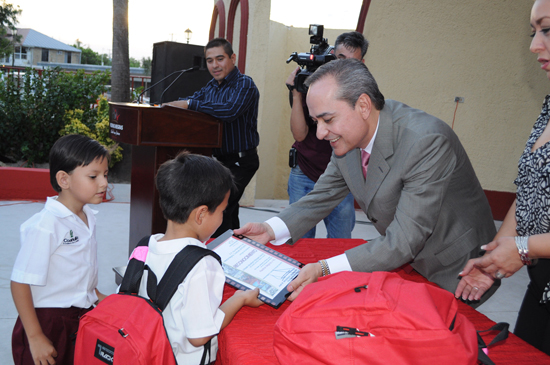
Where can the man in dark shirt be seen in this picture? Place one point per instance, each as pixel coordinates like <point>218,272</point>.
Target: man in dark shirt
<point>232,98</point>
<point>313,155</point>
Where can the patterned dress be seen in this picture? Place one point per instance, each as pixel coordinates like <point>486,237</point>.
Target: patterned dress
<point>533,217</point>
<point>533,182</point>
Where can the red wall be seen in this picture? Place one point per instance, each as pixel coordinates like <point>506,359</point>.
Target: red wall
<point>21,183</point>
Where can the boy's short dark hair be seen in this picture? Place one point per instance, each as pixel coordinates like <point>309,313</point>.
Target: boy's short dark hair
<point>189,181</point>
<point>72,151</point>
<point>219,42</point>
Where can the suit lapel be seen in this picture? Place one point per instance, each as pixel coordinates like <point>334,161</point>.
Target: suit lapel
<point>381,151</point>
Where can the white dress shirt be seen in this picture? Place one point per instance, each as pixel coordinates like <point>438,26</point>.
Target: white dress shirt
<point>282,234</point>
<point>58,257</point>
<point>194,310</point>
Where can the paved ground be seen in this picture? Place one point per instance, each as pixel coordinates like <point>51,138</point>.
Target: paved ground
<point>112,235</point>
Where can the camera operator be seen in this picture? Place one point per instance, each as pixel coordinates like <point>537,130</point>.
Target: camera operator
<point>310,156</point>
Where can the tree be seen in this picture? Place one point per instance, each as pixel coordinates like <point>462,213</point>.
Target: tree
<point>90,57</point>
<point>8,31</point>
<point>120,77</point>
<point>134,62</point>
<point>146,65</point>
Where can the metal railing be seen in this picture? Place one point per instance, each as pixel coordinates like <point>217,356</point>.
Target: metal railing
<point>135,80</point>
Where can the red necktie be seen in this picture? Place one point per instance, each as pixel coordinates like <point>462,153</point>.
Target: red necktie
<point>365,161</point>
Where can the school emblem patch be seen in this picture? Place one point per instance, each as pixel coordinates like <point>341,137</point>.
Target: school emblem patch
<point>70,238</point>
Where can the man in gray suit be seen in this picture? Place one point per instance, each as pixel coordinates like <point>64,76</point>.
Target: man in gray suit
<point>420,190</point>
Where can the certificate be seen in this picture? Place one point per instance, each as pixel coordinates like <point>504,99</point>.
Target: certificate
<point>248,265</point>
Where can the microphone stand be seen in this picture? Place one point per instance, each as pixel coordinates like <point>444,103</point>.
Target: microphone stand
<point>176,79</point>
<point>181,72</point>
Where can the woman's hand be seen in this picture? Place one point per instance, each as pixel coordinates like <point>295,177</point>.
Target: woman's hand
<point>502,256</point>
<point>500,261</point>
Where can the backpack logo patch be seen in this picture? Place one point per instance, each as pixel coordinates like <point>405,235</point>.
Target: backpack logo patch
<point>104,352</point>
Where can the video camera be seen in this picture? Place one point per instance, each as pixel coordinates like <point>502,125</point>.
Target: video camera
<point>320,53</point>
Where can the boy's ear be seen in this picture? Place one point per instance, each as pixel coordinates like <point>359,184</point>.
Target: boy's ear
<point>62,179</point>
<point>200,213</point>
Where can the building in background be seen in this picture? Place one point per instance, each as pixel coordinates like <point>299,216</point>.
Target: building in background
<point>36,47</point>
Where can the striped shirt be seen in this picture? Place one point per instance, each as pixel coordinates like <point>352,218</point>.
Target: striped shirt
<point>235,103</point>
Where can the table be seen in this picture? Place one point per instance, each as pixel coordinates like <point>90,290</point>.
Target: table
<point>249,337</point>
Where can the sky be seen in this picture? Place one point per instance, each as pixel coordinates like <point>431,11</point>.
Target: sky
<point>91,22</point>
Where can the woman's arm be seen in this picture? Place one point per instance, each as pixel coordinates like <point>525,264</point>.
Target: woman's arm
<point>508,227</point>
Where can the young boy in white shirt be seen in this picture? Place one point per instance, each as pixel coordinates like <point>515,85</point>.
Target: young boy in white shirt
<point>193,193</point>
<point>54,277</point>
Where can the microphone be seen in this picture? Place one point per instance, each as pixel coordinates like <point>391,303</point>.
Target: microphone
<point>194,68</point>
<point>181,72</point>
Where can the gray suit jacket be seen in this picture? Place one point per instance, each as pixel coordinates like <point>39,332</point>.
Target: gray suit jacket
<point>421,193</point>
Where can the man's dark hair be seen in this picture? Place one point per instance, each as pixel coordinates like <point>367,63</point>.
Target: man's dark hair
<point>353,79</point>
<point>189,181</point>
<point>219,42</point>
<point>72,151</point>
<point>352,41</point>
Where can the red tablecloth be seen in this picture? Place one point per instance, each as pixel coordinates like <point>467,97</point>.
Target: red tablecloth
<point>249,337</point>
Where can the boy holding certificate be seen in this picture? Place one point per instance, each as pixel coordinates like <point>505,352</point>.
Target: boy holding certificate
<point>193,193</point>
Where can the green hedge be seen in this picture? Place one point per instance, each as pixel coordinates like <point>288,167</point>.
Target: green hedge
<point>33,108</point>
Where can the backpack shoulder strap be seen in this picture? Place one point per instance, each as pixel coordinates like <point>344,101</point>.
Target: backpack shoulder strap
<point>182,264</point>
<point>134,272</point>
<point>482,356</point>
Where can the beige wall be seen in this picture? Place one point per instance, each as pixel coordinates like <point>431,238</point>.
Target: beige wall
<point>54,56</point>
<point>423,53</point>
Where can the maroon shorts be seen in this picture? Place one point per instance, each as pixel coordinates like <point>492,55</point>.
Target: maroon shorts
<point>59,325</point>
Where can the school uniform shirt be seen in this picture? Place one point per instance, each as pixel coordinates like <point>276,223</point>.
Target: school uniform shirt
<point>193,311</point>
<point>58,257</point>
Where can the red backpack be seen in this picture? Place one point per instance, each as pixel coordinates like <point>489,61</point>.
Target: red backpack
<point>374,318</point>
<point>128,329</point>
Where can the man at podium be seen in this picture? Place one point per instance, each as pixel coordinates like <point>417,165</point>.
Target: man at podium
<point>232,98</point>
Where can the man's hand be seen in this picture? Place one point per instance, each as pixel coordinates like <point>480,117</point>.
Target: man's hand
<point>42,350</point>
<point>479,274</point>
<point>259,232</point>
<point>474,283</point>
<point>179,104</point>
<point>292,76</point>
<point>309,274</point>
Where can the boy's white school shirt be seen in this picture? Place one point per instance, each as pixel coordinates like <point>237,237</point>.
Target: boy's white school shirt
<point>193,311</point>
<point>58,257</point>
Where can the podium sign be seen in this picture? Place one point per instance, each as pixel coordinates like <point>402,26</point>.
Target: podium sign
<point>157,134</point>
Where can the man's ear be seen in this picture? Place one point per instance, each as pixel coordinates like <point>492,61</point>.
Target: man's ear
<point>364,105</point>
<point>234,58</point>
<point>62,179</point>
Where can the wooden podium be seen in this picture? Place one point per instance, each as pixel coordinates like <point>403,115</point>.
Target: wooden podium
<point>157,134</point>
